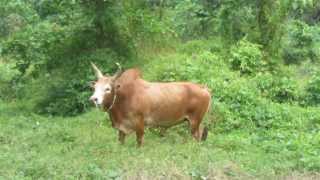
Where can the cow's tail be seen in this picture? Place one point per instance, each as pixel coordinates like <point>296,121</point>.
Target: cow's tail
<point>206,129</point>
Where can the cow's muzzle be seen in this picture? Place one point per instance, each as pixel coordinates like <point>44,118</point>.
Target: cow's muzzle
<point>94,100</point>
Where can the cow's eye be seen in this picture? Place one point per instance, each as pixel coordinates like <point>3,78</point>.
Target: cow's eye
<point>107,89</point>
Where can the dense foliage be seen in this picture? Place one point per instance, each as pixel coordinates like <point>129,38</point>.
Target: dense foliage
<point>260,58</point>
<point>58,39</point>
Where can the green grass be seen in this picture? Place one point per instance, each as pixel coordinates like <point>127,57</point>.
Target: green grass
<point>86,147</point>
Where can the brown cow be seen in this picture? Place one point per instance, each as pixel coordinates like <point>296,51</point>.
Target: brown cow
<point>133,103</point>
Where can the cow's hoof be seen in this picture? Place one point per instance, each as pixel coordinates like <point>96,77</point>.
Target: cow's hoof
<point>204,134</point>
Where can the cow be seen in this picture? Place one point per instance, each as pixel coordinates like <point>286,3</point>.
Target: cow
<point>134,103</point>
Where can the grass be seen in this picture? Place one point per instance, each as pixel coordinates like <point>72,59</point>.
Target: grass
<point>86,147</point>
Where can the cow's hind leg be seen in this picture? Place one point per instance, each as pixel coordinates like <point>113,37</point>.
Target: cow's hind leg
<point>140,133</point>
<point>198,132</point>
<point>195,131</point>
<point>140,137</point>
<point>122,137</point>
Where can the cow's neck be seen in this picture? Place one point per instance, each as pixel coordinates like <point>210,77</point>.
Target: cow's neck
<point>108,106</point>
<point>116,115</point>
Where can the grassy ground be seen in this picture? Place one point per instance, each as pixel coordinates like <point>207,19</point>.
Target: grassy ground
<point>86,147</point>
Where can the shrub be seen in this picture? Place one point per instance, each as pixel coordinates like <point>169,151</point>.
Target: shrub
<point>7,80</point>
<point>65,98</point>
<point>200,46</point>
<point>278,89</point>
<point>301,43</point>
<point>190,19</point>
<point>242,107</point>
<point>313,90</point>
<point>241,103</point>
<point>237,98</point>
<point>199,67</point>
<point>246,57</point>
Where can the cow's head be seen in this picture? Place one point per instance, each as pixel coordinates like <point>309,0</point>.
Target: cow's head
<point>104,87</point>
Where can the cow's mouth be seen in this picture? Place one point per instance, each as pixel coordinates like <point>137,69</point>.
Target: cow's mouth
<point>98,105</point>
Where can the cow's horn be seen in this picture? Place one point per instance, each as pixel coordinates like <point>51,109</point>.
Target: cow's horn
<point>97,71</point>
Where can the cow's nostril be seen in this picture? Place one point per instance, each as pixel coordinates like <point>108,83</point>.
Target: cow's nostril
<point>94,99</point>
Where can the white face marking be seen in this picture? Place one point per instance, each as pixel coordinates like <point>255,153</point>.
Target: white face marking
<point>99,92</point>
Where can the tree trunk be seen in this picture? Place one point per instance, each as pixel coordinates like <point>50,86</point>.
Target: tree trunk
<point>162,2</point>
<point>100,8</point>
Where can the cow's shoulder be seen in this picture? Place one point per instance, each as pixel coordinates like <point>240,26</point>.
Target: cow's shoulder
<point>125,83</point>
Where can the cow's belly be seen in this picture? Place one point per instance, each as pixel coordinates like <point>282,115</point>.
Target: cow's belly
<point>126,126</point>
<point>125,129</point>
<point>162,122</point>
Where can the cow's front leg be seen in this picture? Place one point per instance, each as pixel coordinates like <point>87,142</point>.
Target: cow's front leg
<point>122,136</point>
<point>140,137</point>
<point>140,133</point>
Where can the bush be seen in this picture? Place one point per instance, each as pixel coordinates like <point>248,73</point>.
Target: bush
<point>313,90</point>
<point>278,89</point>
<point>246,57</point>
<point>7,80</point>
<point>301,43</point>
<point>236,100</point>
<point>197,68</point>
<point>65,98</point>
<point>191,19</point>
<point>200,46</point>
<point>242,103</point>
<point>240,107</point>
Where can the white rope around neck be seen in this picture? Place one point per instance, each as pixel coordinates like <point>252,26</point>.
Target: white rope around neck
<point>113,101</point>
